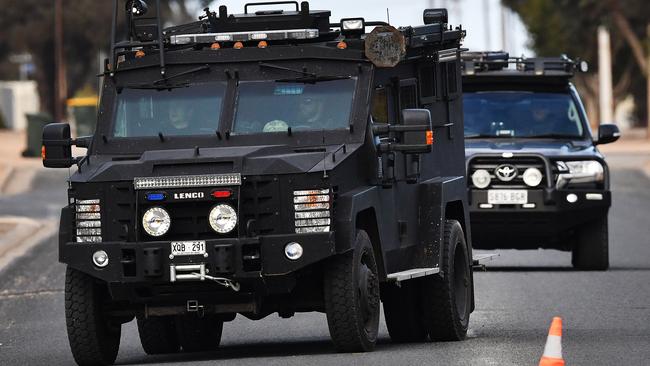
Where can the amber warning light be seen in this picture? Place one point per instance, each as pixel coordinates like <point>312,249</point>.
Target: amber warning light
<point>429,137</point>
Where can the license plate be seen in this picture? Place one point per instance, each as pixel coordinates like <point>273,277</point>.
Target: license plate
<point>196,247</point>
<point>507,196</point>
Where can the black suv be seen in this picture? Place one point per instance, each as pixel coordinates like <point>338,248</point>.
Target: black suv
<point>535,176</point>
<point>268,162</point>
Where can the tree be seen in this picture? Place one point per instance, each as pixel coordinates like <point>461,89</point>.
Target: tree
<point>28,27</point>
<point>569,26</point>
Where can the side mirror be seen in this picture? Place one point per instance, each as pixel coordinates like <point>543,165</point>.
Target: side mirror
<point>415,134</point>
<point>57,151</point>
<point>608,133</point>
<point>422,135</point>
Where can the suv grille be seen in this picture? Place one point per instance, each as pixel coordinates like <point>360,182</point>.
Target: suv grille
<point>520,164</point>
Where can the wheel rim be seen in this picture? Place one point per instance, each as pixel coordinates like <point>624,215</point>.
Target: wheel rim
<point>461,280</point>
<point>368,294</point>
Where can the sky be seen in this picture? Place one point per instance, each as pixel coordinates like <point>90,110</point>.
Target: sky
<point>484,20</point>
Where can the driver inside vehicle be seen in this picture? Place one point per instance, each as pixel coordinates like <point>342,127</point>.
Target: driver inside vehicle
<point>541,119</point>
<point>179,118</point>
<point>310,115</point>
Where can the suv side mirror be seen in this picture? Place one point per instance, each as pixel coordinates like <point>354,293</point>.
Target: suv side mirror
<point>608,133</point>
<point>57,151</point>
<point>416,134</point>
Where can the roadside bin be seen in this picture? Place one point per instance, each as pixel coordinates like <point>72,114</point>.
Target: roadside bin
<point>84,111</point>
<point>35,124</point>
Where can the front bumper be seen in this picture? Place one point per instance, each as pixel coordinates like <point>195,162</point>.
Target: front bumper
<point>240,259</point>
<point>546,224</point>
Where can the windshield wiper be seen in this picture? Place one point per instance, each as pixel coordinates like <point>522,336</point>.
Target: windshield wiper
<point>153,86</point>
<point>482,136</point>
<point>183,73</point>
<point>278,67</point>
<point>314,79</point>
<point>162,84</point>
<point>553,136</point>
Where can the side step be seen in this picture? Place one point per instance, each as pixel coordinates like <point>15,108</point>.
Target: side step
<point>478,261</point>
<point>411,273</point>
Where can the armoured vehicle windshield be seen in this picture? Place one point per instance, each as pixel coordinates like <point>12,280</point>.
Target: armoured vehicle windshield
<point>178,111</point>
<point>506,114</point>
<point>276,106</point>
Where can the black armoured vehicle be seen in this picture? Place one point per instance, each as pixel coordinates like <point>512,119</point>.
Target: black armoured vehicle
<point>537,178</point>
<point>268,162</point>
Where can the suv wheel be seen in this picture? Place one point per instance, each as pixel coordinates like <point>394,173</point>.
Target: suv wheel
<point>402,313</point>
<point>158,335</point>
<point>351,288</point>
<point>591,250</point>
<point>94,337</point>
<point>447,298</point>
<point>199,334</point>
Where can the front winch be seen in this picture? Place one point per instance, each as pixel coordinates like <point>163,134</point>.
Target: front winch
<point>186,272</point>
<point>191,272</point>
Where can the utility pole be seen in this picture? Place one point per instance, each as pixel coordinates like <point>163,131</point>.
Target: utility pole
<point>60,85</point>
<point>606,93</point>
<point>504,28</point>
<point>486,24</point>
<point>647,78</point>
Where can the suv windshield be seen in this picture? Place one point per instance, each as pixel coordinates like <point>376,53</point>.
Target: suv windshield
<point>521,114</point>
<point>179,111</point>
<point>274,106</point>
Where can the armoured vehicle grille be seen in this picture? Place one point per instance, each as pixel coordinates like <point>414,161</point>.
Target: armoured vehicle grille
<point>259,205</point>
<point>491,164</point>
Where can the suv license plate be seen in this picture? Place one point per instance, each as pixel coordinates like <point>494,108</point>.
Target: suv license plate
<point>507,196</point>
<point>196,247</point>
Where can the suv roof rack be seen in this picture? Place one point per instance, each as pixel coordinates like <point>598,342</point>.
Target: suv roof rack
<point>492,62</point>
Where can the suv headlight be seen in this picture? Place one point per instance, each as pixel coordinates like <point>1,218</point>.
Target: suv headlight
<point>481,178</point>
<point>156,221</point>
<point>533,177</point>
<point>584,171</point>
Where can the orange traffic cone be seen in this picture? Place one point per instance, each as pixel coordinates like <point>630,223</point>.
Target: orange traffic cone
<point>553,350</point>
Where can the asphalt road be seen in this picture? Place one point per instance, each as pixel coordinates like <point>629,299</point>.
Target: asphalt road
<point>606,314</point>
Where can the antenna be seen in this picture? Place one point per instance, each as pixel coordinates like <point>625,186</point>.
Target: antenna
<point>324,155</point>
<point>387,16</point>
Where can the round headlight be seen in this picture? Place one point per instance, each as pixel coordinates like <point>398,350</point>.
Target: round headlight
<point>223,218</point>
<point>156,221</point>
<point>532,177</point>
<point>481,178</point>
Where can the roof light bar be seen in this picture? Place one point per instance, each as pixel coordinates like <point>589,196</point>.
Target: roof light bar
<point>184,181</point>
<point>269,35</point>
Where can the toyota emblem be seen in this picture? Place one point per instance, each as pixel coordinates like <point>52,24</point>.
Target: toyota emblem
<point>506,172</point>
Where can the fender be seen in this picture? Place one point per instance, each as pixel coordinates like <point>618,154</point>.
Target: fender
<point>434,195</point>
<point>348,205</point>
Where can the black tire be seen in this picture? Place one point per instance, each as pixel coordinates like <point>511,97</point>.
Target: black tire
<point>402,312</point>
<point>447,298</point>
<point>351,289</point>
<point>591,249</point>
<point>158,335</point>
<point>199,334</point>
<point>94,338</point>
